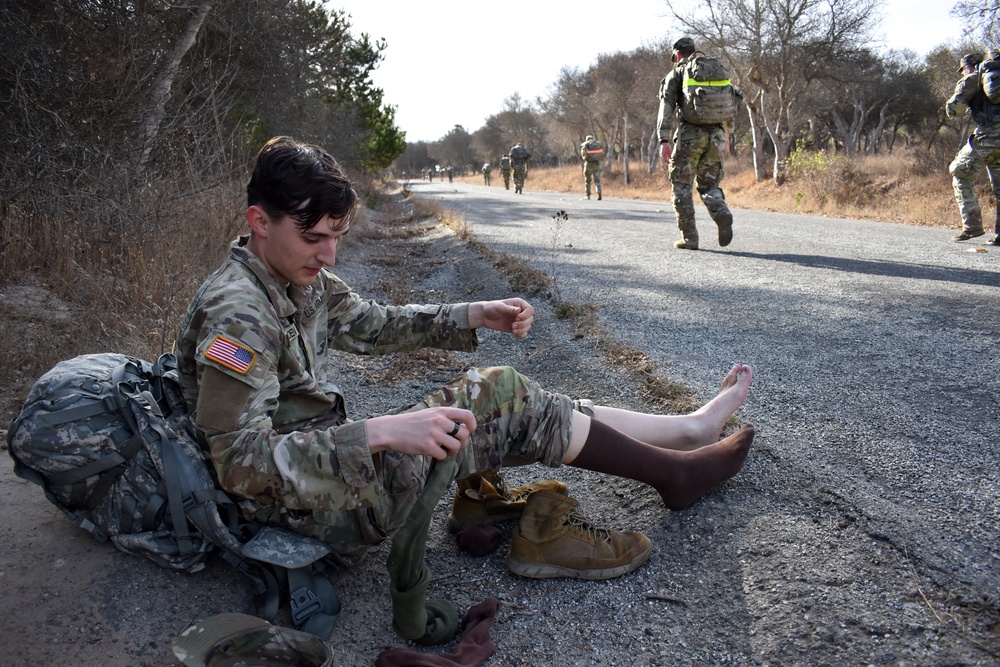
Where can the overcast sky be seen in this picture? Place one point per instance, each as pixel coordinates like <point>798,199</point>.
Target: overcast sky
<point>454,62</point>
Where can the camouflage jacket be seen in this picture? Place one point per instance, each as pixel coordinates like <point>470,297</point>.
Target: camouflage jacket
<point>252,360</point>
<point>671,90</point>
<point>969,96</point>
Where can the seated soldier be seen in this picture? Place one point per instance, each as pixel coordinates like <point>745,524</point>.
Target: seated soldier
<point>252,355</point>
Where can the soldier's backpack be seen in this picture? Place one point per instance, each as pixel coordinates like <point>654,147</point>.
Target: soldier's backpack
<point>989,75</point>
<point>519,154</point>
<point>108,439</point>
<point>505,163</point>
<point>708,94</point>
<point>594,151</point>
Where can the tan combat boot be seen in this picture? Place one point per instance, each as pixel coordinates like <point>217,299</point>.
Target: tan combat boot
<point>554,540</point>
<point>485,499</point>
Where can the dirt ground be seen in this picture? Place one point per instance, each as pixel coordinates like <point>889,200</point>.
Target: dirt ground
<point>747,576</point>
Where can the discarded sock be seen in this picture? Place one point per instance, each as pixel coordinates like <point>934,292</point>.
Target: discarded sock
<point>475,647</point>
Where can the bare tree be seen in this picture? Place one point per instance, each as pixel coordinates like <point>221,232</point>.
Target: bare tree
<point>778,49</point>
<point>160,90</point>
<point>455,150</point>
<point>981,18</point>
<point>518,121</point>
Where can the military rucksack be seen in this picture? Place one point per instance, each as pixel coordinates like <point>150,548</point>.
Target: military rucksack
<point>109,440</point>
<point>594,151</point>
<point>505,163</point>
<point>519,154</point>
<point>989,75</point>
<point>708,95</point>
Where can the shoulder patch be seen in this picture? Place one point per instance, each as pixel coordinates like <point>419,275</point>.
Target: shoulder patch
<point>231,354</point>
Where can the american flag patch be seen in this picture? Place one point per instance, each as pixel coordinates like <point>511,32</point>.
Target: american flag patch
<point>230,354</point>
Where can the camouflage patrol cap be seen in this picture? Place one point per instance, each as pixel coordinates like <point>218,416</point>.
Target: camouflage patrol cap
<point>684,44</point>
<point>970,60</point>
<point>239,640</point>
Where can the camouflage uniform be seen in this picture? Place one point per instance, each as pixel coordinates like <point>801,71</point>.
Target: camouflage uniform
<point>592,153</point>
<point>696,158</point>
<point>982,149</point>
<point>519,163</point>
<point>256,378</point>
<point>487,170</point>
<point>505,171</point>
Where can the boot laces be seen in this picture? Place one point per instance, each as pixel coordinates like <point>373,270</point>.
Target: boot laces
<point>578,523</point>
<point>501,486</point>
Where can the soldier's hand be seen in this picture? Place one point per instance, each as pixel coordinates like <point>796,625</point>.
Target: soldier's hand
<point>434,432</point>
<point>514,316</point>
<point>666,150</point>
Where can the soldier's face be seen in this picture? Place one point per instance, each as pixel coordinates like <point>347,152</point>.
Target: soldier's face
<point>296,256</point>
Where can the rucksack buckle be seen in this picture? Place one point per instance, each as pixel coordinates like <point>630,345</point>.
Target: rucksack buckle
<point>304,604</point>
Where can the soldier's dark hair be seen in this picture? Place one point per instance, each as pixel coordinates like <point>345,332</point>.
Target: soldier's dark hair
<point>302,181</point>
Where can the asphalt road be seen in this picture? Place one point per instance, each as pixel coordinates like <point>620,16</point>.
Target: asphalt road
<point>874,347</point>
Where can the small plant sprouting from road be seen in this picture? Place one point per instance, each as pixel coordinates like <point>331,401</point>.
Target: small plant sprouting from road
<point>558,218</point>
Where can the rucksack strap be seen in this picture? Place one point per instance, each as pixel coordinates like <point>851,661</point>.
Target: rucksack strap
<point>312,599</point>
<point>109,467</point>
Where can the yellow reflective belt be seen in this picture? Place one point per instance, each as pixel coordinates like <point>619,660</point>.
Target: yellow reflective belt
<point>694,82</point>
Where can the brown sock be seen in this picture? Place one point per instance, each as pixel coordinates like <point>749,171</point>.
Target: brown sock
<point>680,477</point>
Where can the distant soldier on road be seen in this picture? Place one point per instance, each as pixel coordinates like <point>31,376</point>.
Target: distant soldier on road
<point>519,163</point>
<point>505,170</point>
<point>982,147</point>
<point>699,94</point>
<point>487,168</point>
<point>592,153</point>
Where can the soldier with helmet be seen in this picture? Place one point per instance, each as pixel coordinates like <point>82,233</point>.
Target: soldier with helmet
<point>592,153</point>
<point>982,149</point>
<point>695,148</point>
<point>519,165</point>
<point>505,170</point>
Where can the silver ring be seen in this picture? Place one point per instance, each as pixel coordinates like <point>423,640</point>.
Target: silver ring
<point>454,431</point>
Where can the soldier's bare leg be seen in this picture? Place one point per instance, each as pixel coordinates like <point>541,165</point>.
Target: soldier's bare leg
<point>684,432</point>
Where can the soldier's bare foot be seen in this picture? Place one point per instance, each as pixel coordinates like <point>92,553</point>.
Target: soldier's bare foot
<point>708,421</point>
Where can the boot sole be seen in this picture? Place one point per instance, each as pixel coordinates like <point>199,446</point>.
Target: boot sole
<point>457,525</point>
<point>543,571</point>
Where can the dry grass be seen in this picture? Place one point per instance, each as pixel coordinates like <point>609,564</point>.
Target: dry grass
<point>906,187</point>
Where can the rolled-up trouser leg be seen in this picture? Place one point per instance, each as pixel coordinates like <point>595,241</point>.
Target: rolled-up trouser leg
<point>518,423</point>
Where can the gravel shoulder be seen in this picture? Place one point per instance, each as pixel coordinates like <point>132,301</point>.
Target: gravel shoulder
<point>772,568</point>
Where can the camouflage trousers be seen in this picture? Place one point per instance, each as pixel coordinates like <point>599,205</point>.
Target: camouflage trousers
<point>697,160</point>
<point>518,423</point>
<point>592,170</point>
<point>506,178</point>
<point>982,150</point>
<point>520,173</point>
